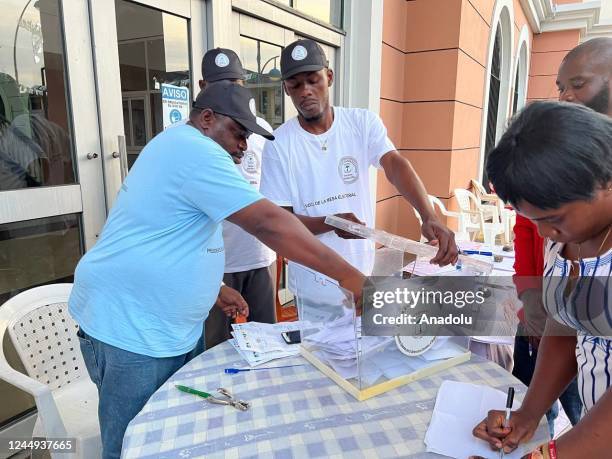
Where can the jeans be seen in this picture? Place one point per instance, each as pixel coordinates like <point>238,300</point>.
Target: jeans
<point>125,382</point>
<point>524,366</point>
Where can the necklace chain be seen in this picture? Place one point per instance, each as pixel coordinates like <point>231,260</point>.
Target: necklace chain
<point>600,246</point>
<point>323,143</point>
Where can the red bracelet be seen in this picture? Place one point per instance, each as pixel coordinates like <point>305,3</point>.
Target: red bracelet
<point>552,449</point>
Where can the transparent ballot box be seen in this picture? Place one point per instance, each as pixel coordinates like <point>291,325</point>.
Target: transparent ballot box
<point>401,244</point>
<point>364,366</point>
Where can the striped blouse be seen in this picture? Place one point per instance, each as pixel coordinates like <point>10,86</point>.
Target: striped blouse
<point>586,309</point>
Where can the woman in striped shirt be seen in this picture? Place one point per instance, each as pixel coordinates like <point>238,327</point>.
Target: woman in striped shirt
<point>554,165</point>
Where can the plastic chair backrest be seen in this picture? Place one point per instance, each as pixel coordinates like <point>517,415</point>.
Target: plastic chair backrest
<point>44,335</point>
<point>435,202</point>
<point>466,199</point>
<point>479,190</point>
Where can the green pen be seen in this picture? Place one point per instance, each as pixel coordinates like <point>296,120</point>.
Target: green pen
<point>189,390</point>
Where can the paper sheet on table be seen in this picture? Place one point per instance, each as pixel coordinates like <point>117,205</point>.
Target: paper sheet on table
<point>459,408</point>
<point>257,358</point>
<point>262,337</point>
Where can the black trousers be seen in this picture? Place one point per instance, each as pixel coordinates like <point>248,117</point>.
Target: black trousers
<point>257,287</point>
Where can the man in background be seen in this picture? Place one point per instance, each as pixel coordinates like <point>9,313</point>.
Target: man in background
<point>319,164</point>
<point>250,266</point>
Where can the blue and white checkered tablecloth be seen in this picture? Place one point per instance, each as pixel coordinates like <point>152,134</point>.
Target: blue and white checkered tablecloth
<point>295,413</point>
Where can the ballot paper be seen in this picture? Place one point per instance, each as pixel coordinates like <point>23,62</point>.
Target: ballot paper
<point>337,343</point>
<point>259,343</point>
<point>255,358</point>
<point>262,337</point>
<point>459,408</point>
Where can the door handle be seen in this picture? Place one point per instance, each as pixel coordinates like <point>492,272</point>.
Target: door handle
<point>122,156</point>
<point>92,155</point>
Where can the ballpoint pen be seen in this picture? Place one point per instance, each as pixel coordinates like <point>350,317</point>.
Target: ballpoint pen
<point>233,371</point>
<point>477,252</point>
<point>509,402</point>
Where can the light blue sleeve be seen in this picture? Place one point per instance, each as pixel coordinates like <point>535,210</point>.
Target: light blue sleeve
<point>216,187</point>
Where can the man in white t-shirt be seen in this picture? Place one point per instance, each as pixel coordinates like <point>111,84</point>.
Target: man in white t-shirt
<point>250,266</point>
<point>319,163</point>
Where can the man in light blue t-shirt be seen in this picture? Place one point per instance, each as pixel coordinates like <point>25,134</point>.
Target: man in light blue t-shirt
<point>141,294</point>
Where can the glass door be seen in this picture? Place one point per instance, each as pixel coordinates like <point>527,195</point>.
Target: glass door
<point>52,201</point>
<point>136,124</point>
<point>153,50</point>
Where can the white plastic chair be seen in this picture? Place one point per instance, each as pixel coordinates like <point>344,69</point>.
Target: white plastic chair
<point>435,202</point>
<point>507,217</point>
<point>481,193</point>
<point>459,235</point>
<point>44,336</point>
<point>473,217</point>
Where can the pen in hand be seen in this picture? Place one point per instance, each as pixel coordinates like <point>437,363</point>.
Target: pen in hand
<point>509,402</point>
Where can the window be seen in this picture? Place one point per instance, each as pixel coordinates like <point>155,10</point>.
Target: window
<point>515,95</point>
<point>329,11</point>
<point>36,147</point>
<point>520,81</point>
<point>261,62</point>
<point>494,92</point>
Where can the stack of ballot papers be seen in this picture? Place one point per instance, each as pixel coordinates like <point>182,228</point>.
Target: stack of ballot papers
<point>259,343</point>
<point>336,344</point>
<point>459,408</point>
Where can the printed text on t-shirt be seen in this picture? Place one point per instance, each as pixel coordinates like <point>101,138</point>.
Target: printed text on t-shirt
<point>330,199</point>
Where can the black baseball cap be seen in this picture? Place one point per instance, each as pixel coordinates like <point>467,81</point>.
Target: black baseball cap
<point>231,99</point>
<point>302,56</point>
<point>222,64</point>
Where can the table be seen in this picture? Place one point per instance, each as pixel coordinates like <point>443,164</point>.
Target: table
<point>295,413</point>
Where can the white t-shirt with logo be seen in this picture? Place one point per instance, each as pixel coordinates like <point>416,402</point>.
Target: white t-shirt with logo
<point>327,174</point>
<point>243,251</point>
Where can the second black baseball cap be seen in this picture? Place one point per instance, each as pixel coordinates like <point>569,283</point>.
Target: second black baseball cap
<point>302,56</point>
<point>231,99</point>
<point>222,64</point>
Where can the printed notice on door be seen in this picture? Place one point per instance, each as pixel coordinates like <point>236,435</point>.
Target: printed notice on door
<point>175,103</point>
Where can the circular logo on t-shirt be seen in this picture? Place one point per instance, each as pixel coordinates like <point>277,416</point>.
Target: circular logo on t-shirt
<point>252,106</point>
<point>299,53</point>
<point>348,169</point>
<point>250,162</point>
<point>222,60</point>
